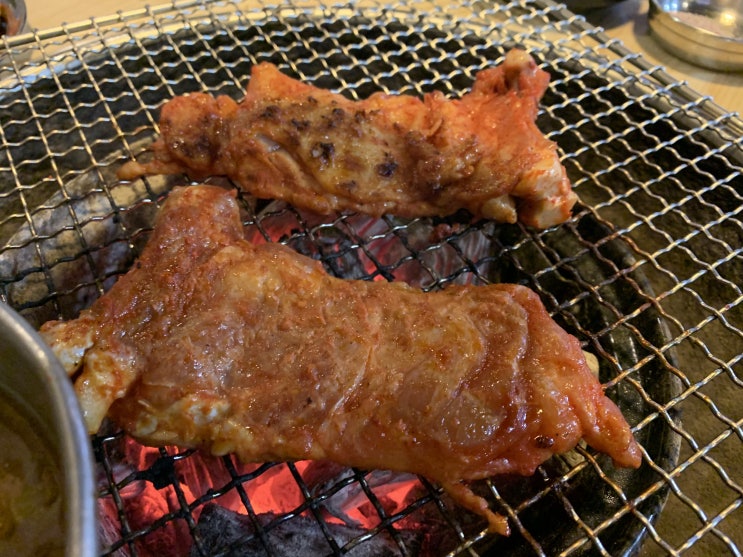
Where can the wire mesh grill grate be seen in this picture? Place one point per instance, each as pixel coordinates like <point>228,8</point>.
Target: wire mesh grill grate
<point>647,273</point>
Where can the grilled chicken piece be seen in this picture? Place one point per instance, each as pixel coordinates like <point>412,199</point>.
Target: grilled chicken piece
<point>387,154</point>
<point>213,342</point>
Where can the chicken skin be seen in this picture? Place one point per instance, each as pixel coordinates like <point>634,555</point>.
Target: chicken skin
<point>213,342</point>
<point>394,154</point>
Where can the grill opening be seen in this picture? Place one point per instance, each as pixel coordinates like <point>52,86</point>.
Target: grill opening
<point>646,274</point>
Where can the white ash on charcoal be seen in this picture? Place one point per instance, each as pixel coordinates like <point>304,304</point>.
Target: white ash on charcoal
<point>227,533</point>
<point>74,258</point>
<point>393,490</point>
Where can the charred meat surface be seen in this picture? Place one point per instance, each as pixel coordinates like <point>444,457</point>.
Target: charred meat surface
<point>394,154</point>
<point>214,342</point>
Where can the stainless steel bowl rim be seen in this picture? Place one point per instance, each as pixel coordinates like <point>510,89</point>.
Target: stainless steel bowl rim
<point>692,43</point>
<point>75,444</point>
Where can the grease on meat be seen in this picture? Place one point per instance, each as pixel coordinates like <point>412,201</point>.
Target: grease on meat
<point>395,154</point>
<point>213,342</point>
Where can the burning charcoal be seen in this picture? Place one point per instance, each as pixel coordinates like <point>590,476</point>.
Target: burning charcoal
<point>394,490</point>
<point>229,534</point>
<point>329,243</point>
<point>382,482</point>
<point>319,473</point>
<point>109,526</point>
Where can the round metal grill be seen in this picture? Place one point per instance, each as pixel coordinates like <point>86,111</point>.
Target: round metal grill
<point>646,274</point>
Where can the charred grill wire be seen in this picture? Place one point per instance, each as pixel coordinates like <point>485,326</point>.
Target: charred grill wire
<point>647,273</point>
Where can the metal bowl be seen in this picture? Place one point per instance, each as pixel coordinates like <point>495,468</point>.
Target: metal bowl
<point>588,6</point>
<point>31,376</point>
<point>708,33</point>
<point>12,17</point>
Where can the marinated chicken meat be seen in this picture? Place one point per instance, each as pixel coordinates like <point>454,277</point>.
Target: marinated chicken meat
<point>214,342</point>
<point>395,154</point>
